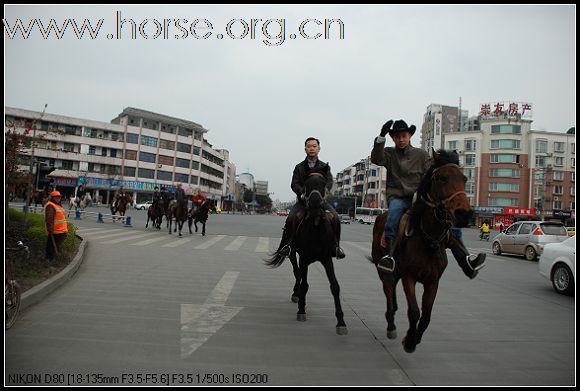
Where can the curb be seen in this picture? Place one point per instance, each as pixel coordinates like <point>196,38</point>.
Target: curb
<point>39,292</point>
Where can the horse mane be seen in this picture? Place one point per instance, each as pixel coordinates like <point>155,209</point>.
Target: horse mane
<point>440,158</point>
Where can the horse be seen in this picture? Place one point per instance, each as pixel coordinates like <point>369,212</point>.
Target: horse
<point>155,214</point>
<point>121,206</point>
<point>200,215</point>
<point>314,239</point>
<point>420,245</point>
<point>179,210</point>
<point>77,203</point>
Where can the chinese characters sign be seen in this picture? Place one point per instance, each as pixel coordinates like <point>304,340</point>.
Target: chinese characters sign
<point>519,110</point>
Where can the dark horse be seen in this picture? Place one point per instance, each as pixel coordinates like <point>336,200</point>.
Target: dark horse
<point>177,209</point>
<point>421,241</point>
<point>314,239</point>
<point>200,215</point>
<point>121,206</point>
<point>155,214</point>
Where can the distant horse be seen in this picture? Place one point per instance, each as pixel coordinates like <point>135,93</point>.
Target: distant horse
<point>314,239</point>
<point>121,206</point>
<point>77,203</point>
<point>200,215</point>
<point>179,211</point>
<point>420,244</point>
<point>155,214</point>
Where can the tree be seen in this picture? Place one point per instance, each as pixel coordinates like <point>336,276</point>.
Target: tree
<point>14,145</point>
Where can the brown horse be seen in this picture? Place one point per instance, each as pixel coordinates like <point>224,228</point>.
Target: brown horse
<point>179,211</point>
<point>155,214</point>
<point>314,241</point>
<point>423,235</point>
<point>200,215</point>
<point>121,206</point>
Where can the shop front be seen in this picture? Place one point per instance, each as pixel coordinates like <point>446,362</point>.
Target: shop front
<point>498,215</point>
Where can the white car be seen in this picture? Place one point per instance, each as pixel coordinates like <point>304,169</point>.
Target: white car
<point>558,264</point>
<point>144,205</point>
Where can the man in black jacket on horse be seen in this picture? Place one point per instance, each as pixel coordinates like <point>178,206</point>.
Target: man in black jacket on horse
<point>301,172</point>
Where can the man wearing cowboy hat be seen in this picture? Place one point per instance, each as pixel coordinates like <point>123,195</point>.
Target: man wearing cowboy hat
<point>406,166</point>
<point>56,225</point>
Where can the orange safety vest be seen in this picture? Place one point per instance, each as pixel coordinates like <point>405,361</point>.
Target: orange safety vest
<point>60,224</point>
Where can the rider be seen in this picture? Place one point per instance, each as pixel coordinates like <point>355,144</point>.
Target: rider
<point>156,198</point>
<point>118,195</point>
<point>198,200</point>
<point>301,171</point>
<point>484,229</point>
<point>179,194</point>
<point>405,166</point>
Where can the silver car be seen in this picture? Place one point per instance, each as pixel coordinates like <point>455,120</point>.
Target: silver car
<point>528,238</point>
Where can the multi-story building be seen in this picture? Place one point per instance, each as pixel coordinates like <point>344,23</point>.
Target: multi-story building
<point>138,150</point>
<point>362,180</point>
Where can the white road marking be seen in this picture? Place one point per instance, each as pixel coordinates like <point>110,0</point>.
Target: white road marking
<point>210,243</point>
<point>125,238</point>
<point>200,322</point>
<point>263,245</point>
<point>236,244</point>
<point>178,242</point>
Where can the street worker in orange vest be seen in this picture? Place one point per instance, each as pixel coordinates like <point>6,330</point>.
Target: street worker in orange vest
<point>56,225</point>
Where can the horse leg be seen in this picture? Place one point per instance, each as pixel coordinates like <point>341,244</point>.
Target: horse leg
<point>335,289</point>
<point>203,228</point>
<point>180,226</point>
<point>389,288</point>
<point>147,223</point>
<point>169,223</point>
<point>413,313</point>
<point>429,294</point>
<point>301,315</point>
<point>195,223</point>
<point>189,222</point>
<point>296,271</point>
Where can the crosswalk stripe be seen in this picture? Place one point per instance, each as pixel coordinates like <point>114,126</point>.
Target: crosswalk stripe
<point>178,242</point>
<point>236,244</point>
<point>125,238</point>
<point>92,230</point>
<point>149,241</point>
<point>210,242</point>
<point>117,232</point>
<point>263,245</point>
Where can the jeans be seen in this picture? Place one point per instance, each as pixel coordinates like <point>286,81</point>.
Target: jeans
<point>396,208</point>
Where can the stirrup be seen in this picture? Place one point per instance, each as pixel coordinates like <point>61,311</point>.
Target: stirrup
<point>479,262</point>
<point>386,264</point>
<point>339,253</point>
<point>285,250</point>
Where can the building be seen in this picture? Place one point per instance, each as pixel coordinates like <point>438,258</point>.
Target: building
<point>364,182</point>
<point>138,149</point>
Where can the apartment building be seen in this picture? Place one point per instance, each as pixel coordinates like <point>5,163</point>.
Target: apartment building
<point>138,150</point>
<point>363,180</point>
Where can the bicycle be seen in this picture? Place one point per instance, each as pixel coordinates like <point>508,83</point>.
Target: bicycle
<point>12,289</point>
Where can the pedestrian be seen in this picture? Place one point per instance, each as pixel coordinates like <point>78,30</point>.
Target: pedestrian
<point>56,225</point>
<point>406,166</point>
<point>500,227</point>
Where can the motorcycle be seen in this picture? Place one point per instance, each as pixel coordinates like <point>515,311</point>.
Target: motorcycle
<point>484,236</point>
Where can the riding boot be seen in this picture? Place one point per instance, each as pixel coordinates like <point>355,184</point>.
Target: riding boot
<point>470,267</point>
<point>285,248</point>
<point>387,263</point>
<point>338,252</point>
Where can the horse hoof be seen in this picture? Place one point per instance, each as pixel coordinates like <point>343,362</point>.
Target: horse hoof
<point>391,334</point>
<point>301,317</point>
<point>294,299</point>
<point>406,348</point>
<point>341,330</point>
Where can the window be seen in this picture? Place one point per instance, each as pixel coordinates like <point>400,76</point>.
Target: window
<point>469,173</point>
<point>573,178</point>
<point>196,150</point>
<point>168,128</point>
<point>452,145</point>
<point>540,161</point>
<point>113,152</point>
<point>573,162</point>
<point>103,151</point>
<point>185,132</point>
<point>68,147</point>
<point>512,230</point>
<point>504,173</point>
<point>145,173</point>
<point>182,163</point>
<point>557,204</point>
<point>506,129</point>
<point>164,175</point>
<point>526,228</point>
<point>167,160</point>
<point>541,146</point>
<point>149,141</point>
<point>68,165</point>
<point>559,161</point>
<point>505,187</point>
<point>470,160</point>
<point>470,145</point>
<point>193,180</point>
<point>470,187</point>
<point>558,146</point>
<point>499,158</point>
<point>132,138</point>
<point>166,144</point>
<point>183,178</point>
<point>181,147</point>
<point>558,190</point>
<point>558,175</point>
<point>505,144</point>
<point>129,171</point>
<point>147,157</point>
<point>195,165</point>
<point>92,149</point>
<point>502,201</point>
<point>130,155</point>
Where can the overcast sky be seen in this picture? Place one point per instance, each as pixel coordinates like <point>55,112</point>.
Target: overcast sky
<point>261,97</point>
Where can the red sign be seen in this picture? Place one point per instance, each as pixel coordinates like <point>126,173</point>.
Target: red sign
<point>519,211</point>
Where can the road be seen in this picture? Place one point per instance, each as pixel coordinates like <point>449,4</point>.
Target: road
<point>148,308</point>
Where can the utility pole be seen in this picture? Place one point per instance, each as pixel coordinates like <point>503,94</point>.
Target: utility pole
<point>30,180</point>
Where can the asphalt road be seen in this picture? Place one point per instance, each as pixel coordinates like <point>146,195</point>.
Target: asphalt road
<point>148,308</point>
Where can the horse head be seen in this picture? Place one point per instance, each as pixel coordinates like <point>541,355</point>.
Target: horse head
<point>443,188</point>
<point>315,189</point>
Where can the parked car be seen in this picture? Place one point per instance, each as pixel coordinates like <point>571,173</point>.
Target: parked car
<point>344,219</point>
<point>571,231</point>
<point>558,264</point>
<point>144,205</point>
<point>528,238</point>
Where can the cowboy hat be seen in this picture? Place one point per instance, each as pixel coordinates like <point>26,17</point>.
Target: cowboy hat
<point>401,126</point>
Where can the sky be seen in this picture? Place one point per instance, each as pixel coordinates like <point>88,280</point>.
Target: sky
<point>263,78</point>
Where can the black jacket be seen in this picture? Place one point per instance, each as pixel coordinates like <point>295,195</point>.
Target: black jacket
<point>301,172</point>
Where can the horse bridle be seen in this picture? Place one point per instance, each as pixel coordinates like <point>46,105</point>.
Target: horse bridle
<point>307,197</point>
<point>440,207</point>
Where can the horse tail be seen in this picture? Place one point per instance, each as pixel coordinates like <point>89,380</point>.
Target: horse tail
<point>275,259</point>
